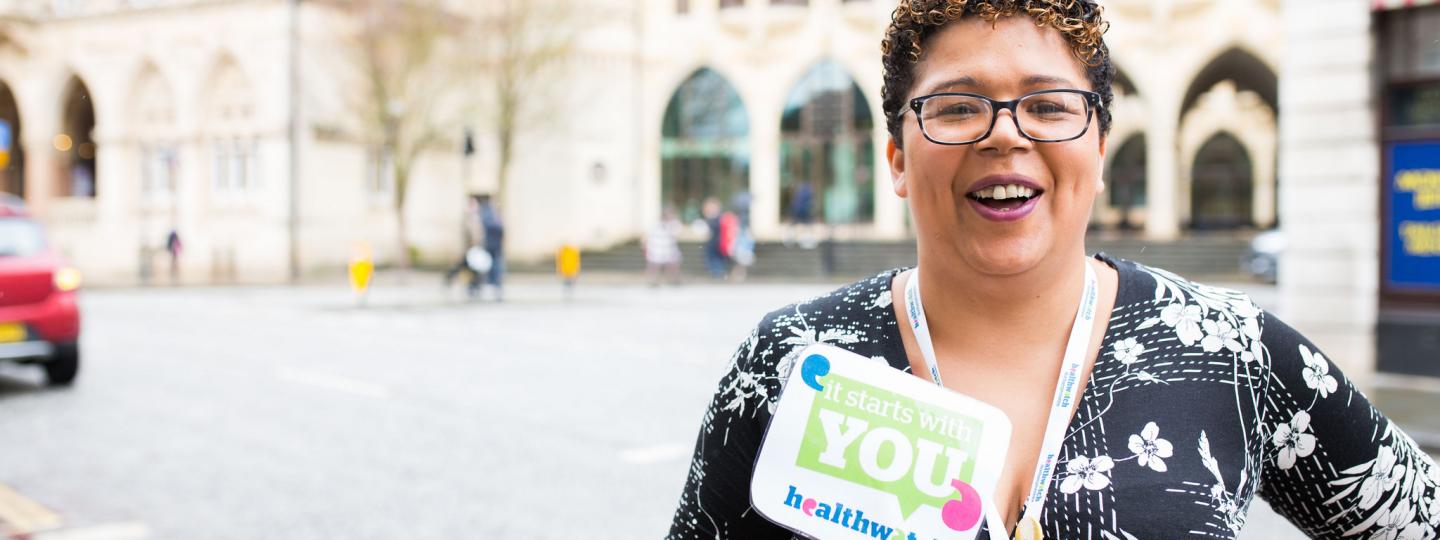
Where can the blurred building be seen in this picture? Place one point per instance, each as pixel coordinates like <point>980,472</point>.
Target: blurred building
<point>1360,158</point>
<point>134,117</point>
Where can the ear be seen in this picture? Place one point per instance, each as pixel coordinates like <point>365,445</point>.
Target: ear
<point>897,168</point>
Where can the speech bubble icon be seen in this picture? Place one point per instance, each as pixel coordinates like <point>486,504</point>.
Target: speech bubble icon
<point>962,514</point>
<point>814,367</point>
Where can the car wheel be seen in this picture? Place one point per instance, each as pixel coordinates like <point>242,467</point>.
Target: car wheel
<point>64,365</point>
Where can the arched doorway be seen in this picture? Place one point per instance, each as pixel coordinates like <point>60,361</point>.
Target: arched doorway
<point>12,153</point>
<point>704,148</point>
<point>827,149</point>
<point>1126,185</point>
<point>1221,185</point>
<point>1236,94</point>
<point>76,143</point>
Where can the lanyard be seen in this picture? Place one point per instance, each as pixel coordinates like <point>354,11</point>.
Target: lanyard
<point>1076,350</point>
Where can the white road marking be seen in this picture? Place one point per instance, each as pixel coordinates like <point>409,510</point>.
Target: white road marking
<point>658,453</point>
<point>19,515</point>
<point>334,382</point>
<point>113,531</point>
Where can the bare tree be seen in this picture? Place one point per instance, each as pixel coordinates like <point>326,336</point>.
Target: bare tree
<point>404,52</point>
<point>522,46</point>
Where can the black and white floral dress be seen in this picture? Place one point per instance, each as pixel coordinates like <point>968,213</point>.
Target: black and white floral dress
<point>1198,402</point>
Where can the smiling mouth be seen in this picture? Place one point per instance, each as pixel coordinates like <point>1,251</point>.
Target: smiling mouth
<point>1004,197</point>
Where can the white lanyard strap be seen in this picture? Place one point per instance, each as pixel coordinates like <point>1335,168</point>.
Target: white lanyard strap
<point>1076,350</point>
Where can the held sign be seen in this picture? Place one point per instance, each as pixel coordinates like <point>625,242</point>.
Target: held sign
<point>857,449</point>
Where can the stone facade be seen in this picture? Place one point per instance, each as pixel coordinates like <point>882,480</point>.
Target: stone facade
<point>191,116</point>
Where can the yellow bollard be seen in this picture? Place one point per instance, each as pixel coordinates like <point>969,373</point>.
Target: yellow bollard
<point>362,267</point>
<point>567,265</point>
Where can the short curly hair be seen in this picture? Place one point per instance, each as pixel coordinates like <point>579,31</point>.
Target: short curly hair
<point>915,21</point>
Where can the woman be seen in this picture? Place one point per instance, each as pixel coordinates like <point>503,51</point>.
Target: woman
<point>1192,400</point>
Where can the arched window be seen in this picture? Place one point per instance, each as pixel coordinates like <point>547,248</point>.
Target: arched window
<point>231,130</point>
<point>12,154</point>
<point>704,150</point>
<point>1127,180</point>
<point>76,142</point>
<point>1221,184</point>
<point>827,150</point>
<point>152,123</point>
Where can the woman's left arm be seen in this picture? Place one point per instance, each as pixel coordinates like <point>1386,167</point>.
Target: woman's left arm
<point>1333,464</point>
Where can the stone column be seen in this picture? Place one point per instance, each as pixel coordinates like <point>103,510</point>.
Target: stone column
<point>1162,220</point>
<point>764,167</point>
<point>1329,168</point>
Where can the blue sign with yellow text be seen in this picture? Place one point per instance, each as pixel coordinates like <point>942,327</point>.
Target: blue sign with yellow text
<point>1412,187</point>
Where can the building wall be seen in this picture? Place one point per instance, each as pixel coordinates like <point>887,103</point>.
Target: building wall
<point>1329,160</point>
<point>587,173</point>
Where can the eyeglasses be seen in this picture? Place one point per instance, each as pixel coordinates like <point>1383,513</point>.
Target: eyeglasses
<point>1044,116</point>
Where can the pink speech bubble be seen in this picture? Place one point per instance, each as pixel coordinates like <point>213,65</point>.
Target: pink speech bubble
<point>962,514</point>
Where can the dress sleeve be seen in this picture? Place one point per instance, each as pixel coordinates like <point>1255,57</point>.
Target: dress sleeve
<point>715,504</point>
<point>1333,464</point>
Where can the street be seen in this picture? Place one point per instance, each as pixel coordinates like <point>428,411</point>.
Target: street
<point>291,413</point>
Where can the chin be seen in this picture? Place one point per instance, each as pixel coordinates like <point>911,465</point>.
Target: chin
<point>1005,256</point>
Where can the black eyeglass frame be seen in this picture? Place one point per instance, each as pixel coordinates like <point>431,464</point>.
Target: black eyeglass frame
<point>1092,104</point>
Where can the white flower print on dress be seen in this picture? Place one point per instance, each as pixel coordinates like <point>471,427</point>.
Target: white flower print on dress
<point>1150,448</point>
<point>1185,320</point>
<point>1383,475</point>
<point>1292,440</point>
<point>1317,372</point>
<point>1390,522</point>
<point>1090,473</point>
<point>1219,334</point>
<point>1128,350</point>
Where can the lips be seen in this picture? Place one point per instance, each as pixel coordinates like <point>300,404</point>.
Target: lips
<point>1006,197</point>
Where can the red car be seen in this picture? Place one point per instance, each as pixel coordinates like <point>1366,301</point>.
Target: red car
<point>39,319</point>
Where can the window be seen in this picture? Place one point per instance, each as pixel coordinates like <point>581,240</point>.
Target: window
<point>158,165</point>
<point>1411,57</point>
<point>380,182</point>
<point>235,166</point>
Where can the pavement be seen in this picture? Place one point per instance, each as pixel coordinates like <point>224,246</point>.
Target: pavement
<point>301,413</point>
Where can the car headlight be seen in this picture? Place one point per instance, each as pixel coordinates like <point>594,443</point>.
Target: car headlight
<point>67,279</point>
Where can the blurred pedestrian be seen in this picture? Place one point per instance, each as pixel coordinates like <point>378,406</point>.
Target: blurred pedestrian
<point>472,233</point>
<point>740,204</point>
<point>662,250</point>
<point>801,202</point>
<point>744,257</point>
<point>716,254</point>
<point>494,232</point>
<point>174,247</point>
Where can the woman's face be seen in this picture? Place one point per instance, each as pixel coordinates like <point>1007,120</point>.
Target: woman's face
<point>1005,61</point>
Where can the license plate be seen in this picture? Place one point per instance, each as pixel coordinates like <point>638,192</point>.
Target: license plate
<point>12,332</point>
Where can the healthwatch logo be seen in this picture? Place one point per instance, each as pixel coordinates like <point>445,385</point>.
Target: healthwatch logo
<point>849,517</point>
<point>869,436</point>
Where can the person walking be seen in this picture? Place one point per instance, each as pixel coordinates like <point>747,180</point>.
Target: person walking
<point>716,250</point>
<point>801,201</point>
<point>662,250</point>
<point>173,246</point>
<point>472,234</point>
<point>494,232</point>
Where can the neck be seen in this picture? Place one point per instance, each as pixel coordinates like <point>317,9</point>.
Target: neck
<point>965,307</point>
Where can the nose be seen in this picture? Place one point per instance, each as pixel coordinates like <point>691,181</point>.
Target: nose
<point>1004,135</point>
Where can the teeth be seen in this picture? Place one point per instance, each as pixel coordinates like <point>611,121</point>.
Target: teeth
<point>1009,191</point>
